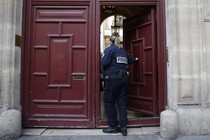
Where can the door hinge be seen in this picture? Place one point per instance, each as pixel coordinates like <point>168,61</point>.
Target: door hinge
<point>167,55</point>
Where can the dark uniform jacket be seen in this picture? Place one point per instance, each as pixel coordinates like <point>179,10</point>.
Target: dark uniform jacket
<point>115,60</point>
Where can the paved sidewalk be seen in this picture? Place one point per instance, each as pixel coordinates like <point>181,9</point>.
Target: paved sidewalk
<point>144,133</point>
<point>111,137</point>
<point>100,137</point>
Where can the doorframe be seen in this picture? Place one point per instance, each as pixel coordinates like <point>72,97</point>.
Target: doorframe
<point>161,57</point>
<point>161,51</point>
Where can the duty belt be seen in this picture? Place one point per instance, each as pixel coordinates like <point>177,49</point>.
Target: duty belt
<point>118,76</point>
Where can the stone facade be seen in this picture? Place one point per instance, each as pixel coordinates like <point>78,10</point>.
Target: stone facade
<point>188,68</point>
<point>188,42</point>
<point>10,27</point>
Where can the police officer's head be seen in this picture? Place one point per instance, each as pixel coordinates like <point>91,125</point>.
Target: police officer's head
<point>112,38</point>
<point>115,39</point>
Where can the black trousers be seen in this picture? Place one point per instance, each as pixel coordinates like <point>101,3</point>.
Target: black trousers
<point>115,91</point>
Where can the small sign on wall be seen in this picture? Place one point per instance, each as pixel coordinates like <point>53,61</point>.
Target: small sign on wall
<point>18,40</point>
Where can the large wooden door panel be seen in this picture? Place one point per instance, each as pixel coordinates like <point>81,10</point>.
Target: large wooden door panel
<point>140,39</point>
<point>58,93</point>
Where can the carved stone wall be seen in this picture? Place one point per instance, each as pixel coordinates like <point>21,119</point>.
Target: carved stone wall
<point>186,69</point>
<point>10,25</point>
<point>10,53</point>
<point>207,47</point>
<point>188,35</point>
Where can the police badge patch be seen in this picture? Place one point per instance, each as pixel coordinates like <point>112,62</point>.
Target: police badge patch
<point>122,60</point>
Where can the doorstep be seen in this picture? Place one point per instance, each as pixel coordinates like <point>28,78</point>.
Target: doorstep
<point>87,132</point>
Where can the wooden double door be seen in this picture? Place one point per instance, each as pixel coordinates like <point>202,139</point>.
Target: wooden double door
<point>60,83</point>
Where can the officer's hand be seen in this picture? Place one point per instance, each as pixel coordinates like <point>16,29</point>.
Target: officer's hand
<point>136,59</point>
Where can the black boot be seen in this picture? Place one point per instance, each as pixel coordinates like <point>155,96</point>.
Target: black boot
<point>124,131</point>
<point>110,130</point>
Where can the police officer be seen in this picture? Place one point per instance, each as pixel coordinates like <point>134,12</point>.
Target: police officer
<point>114,62</point>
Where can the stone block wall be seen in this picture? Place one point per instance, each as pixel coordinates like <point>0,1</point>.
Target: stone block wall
<point>188,68</point>
<point>10,62</point>
<point>207,48</point>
